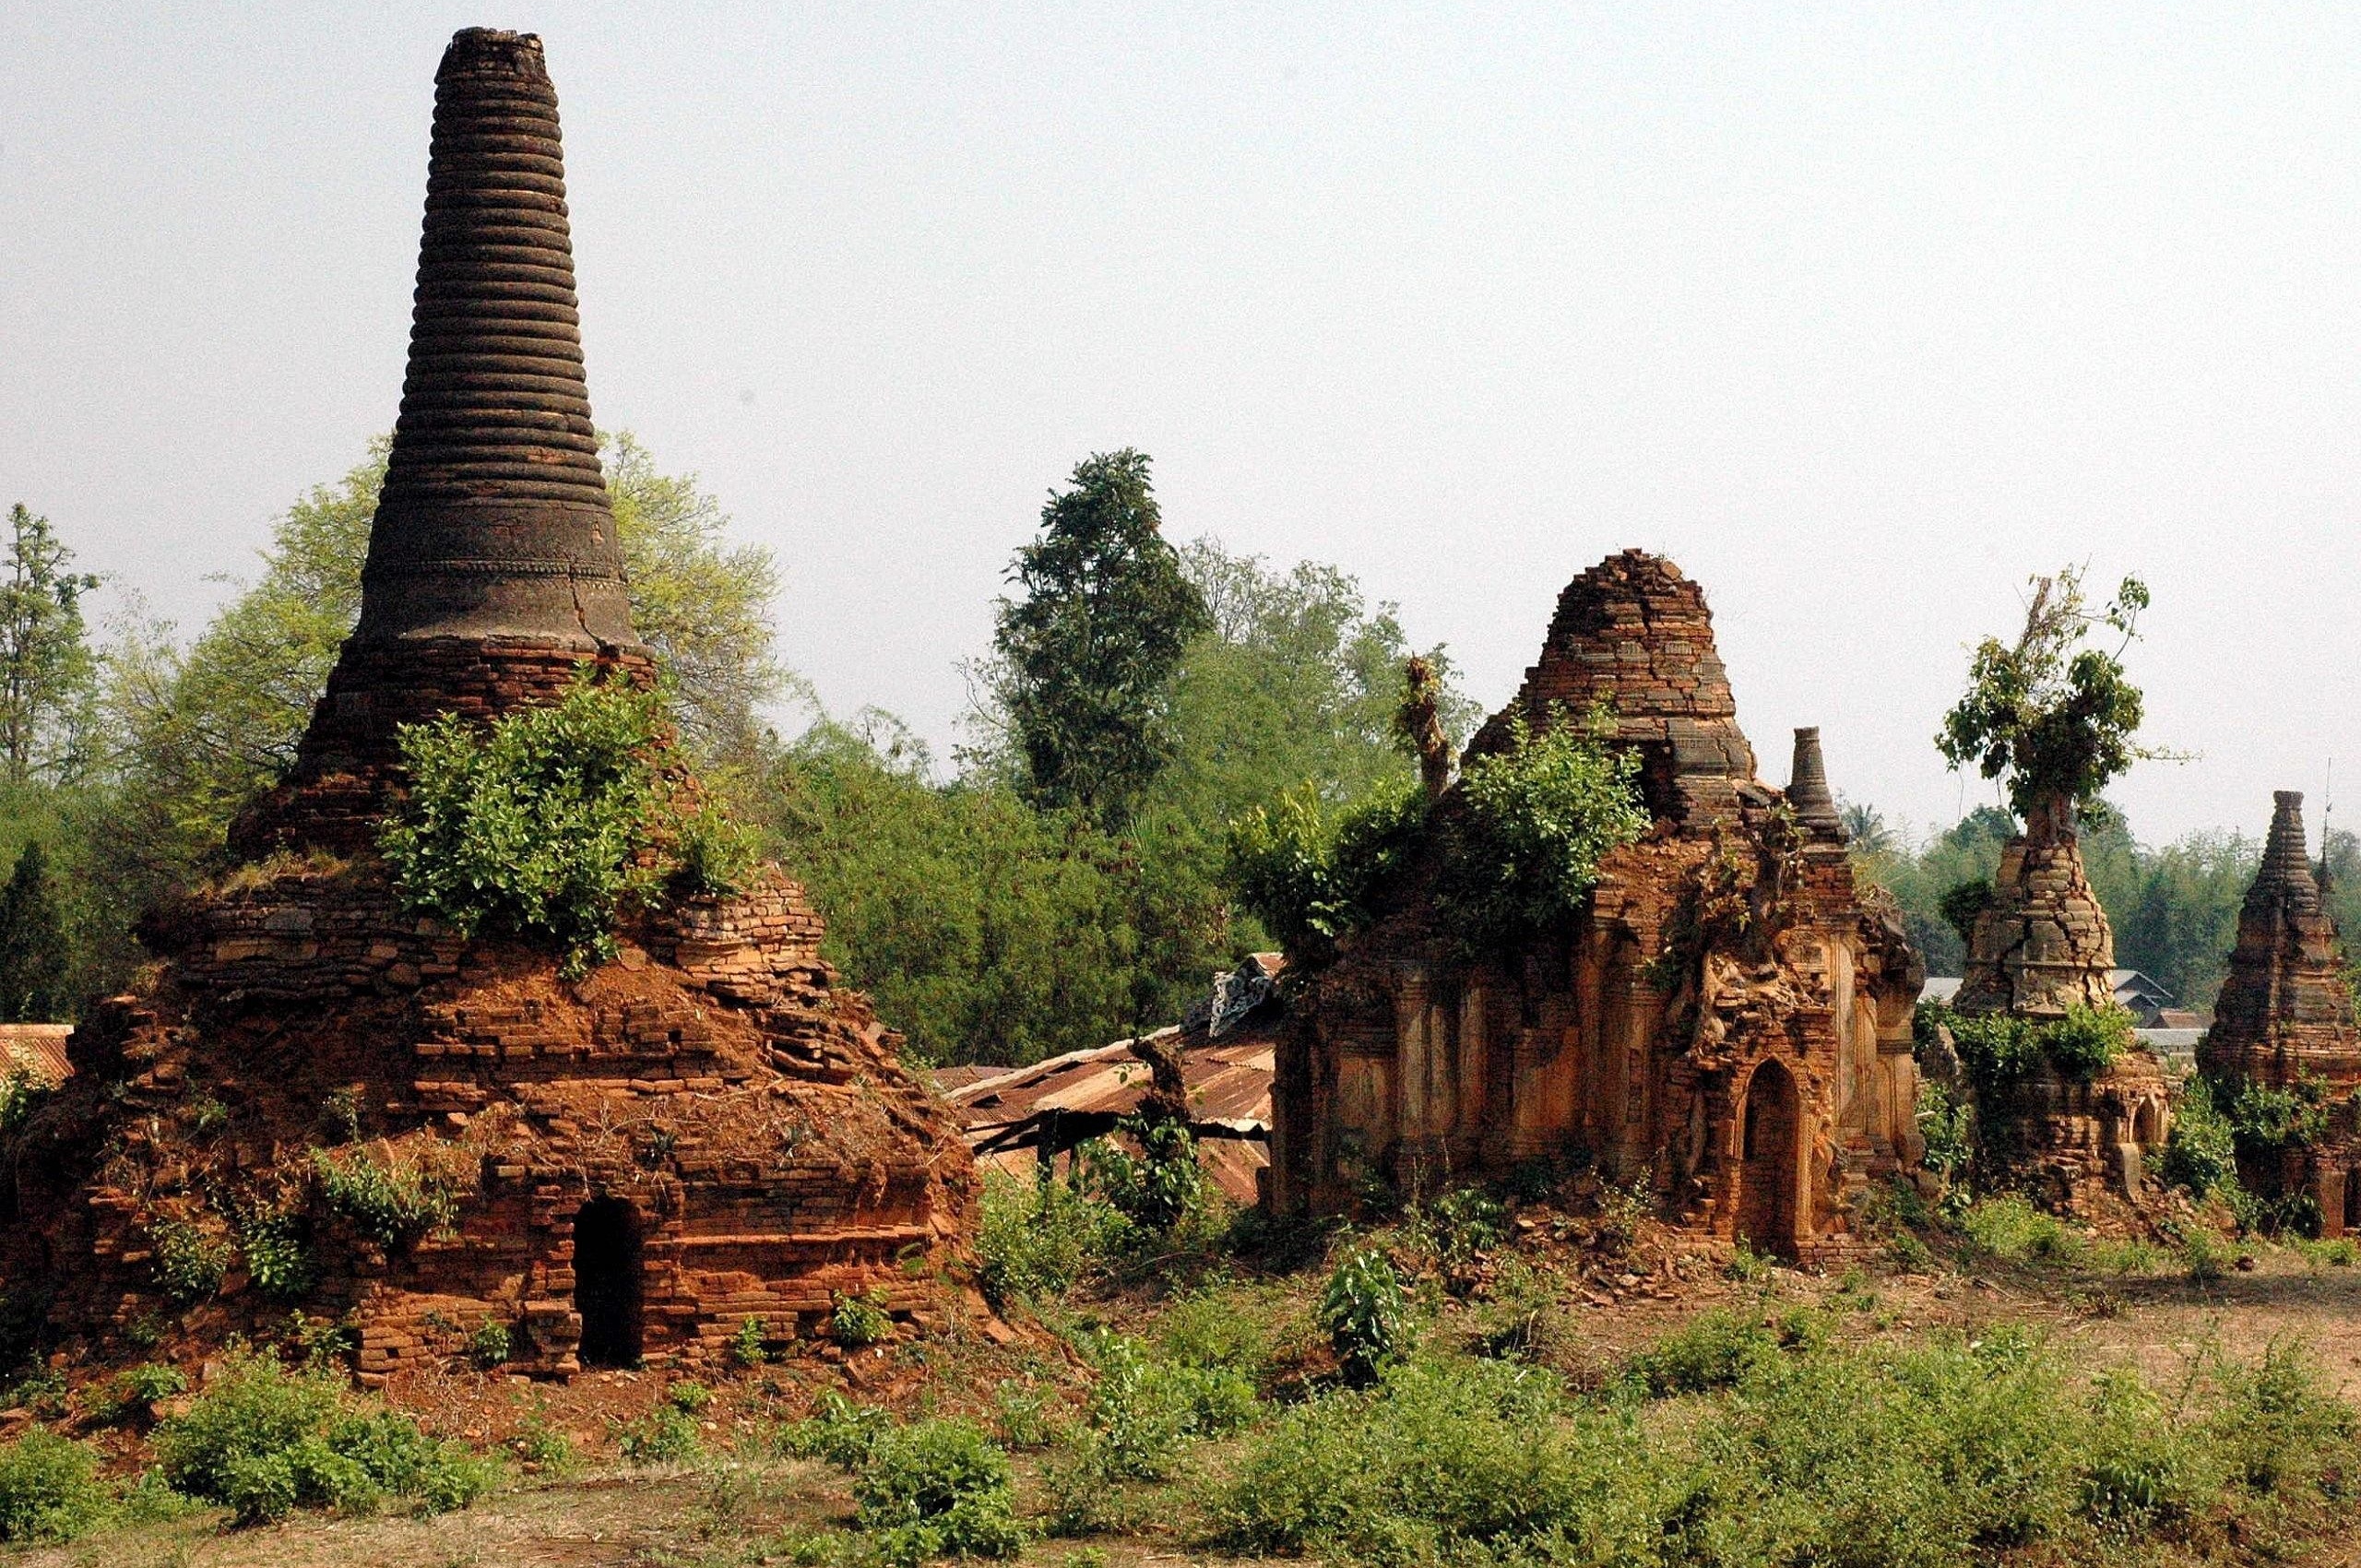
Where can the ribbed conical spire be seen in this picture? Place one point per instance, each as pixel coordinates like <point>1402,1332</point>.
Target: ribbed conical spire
<point>1808,790</point>
<point>494,518</point>
<point>2287,860</point>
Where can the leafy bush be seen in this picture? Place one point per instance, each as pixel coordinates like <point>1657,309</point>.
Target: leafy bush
<point>687,1395</point>
<point>1309,873</point>
<point>20,1095</point>
<point>1021,1417</point>
<point>664,1434</point>
<point>937,1488</point>
<point>265,1442</point>
<point>746,1345</point>
<point>190,1262</point>
<point>1948,1127</point>
<point>2011,1229</point>
<point>2087,1040</point>
<point>488,1344</point>
<point>1538,817</point>
<point>1366,1312</point>
<point>272,1240</point>
<point>394,1204</point>
<point>1715,1350</point>
<point>2200,1152</point>
<point>50,1489</point>
<point>1155,1189</point>
<point>1038,1237</point>
<point>860,1321</point>
<point>1462,1223</point>
<point>838,1432</point>
<point>1947,1453</point>
<point>551,822</point>
<point>1999,1048</point>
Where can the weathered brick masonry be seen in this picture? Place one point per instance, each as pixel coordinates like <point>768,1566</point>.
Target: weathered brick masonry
<point>1728,1025</point>
<point>708,1131</point>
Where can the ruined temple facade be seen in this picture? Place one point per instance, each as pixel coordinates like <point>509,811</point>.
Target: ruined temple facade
<point>2285,1020</point>
<point>2040,946</point>
<point>706,1132</point>
<point>1728,1022</point>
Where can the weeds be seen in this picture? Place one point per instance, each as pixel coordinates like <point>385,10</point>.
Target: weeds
<point>50,1489</point>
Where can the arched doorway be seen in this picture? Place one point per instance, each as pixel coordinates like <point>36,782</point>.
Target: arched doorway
<point>1767,1142</point>
<point>606,1282</point>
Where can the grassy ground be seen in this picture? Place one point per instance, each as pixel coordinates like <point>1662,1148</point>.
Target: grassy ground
<point>1657,1363</point>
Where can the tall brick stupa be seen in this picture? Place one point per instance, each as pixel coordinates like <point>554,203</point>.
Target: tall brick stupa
<point>2285,1020</point>
<point>324,1103</point>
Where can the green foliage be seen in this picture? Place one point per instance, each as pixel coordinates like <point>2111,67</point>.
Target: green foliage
<point>1538,817</point>
<point>837,1430</point>
<point>394,1204</point>
<point>1714,1349</point>
<point>550,823</point>
<point>687,1395</point>
<point>664,1435</point>
<point>1947,1125</point>
<point>2268,1120</point>
<point>1155,1189</point>
<point>1999,1048</point>
<point>1038,1237</point>
<point>545,1446</point>
<point>189,1262</point>
<point>264,1442</point>
<point>1086,658</point>
<point>1962,904</point>
<point>746,1345</point>
<point>489,1344</point>
<point>20,1095</point>
<point>50,1489</point>
<point>46,669</point>
<point>2049,718</point>
<point>1366,1311</point>
<point>270,1236</point>
<point>937,1488</point>
<point>2011,1229</point>
<point>34,958</point>
<point>1462,1223</point>
<point>1950,1451</point>
<point>1309,874</point>
<point>2201,1152</point>
<point>859,1322</point>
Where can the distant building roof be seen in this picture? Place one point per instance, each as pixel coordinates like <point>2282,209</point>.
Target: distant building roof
<point>1009,1113</point>
<point>38,1050</point>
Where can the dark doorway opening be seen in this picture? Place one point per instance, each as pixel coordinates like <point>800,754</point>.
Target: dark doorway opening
<point>1767,1171</point>
<point>606,1282</point>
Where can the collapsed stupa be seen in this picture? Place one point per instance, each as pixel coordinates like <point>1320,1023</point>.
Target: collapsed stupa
<point>1728,1023</point>
<point>322,1103</point>
<point>2285,1021</point>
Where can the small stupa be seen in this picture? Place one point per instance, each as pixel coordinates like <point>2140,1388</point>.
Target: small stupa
<point>323,1103</point>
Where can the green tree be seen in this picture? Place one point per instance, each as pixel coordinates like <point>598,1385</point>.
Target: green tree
<point>1084,659</point>
<point>34,959</point>
<point>2050,719</point>
<point>46,662</point>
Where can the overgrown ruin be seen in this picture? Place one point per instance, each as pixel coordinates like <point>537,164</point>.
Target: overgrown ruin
<point>2039,947</point>
<point>2283,1021</point>
<point>706,1138</point>
<point>1728,1026</point>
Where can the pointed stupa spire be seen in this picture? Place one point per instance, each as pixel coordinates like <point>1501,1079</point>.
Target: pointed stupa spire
<point>1808,790</point>
<point>495,519</point>
<point>2286,878</point>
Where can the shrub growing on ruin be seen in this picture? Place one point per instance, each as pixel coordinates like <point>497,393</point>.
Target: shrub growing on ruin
<point>1999,1048</point>
<point>859,1321</point>
<point>393,1205</point>
<point>1310,873</point>
<point>552,822</point>
<point>2050,719</point>
<point>1038,1237</point>
<point>1538,817</point>
<point>189,1261</point>
<point>50,1489</point>
<point>1155,1189</point>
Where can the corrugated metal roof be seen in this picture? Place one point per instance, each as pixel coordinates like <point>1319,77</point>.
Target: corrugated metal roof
<point>38,1050</point>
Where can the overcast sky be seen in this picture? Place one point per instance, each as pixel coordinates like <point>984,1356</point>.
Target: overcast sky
<point>1861,314</point>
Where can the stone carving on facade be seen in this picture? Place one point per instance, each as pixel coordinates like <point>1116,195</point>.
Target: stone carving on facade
<point>708,1131</point>
<point>1728,1023</point>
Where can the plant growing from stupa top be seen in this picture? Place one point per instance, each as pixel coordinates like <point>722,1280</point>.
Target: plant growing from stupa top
<point>552,822</point>
<point>2048,717</point>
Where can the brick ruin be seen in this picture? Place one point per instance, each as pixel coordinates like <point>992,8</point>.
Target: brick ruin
<point>709,1130</point>
<point>2042,946</point>
<point>2285,1020</point>
<point>1729,1022</point>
